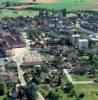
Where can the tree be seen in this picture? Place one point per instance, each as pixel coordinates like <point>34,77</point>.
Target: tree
<point>73,93</point>
<point>37,80</point>
<point>5,98</point>
<point>59,80</point>
<point>7,4</point>
<point>64,12</point>
<point>53,12</point>
<point>95,58</point>
<point>93,71</point>
<point>46,13</point>
<point>34,0</point>
<point>81,95</point>
<point>78,30</point>
<point>2,89</point>
<point>68,87</point>
<point>8,94</point>
<point>31,91</point>
<point>52,95</point>
<point>57,61</point>
<point>26,76</point>
<point>33,34</point>
<point>21,93</point>
<point>29,34</point>
<point>33,70</point>
<point>41,13</point>
<point>81,1</point>
<point>45,69</point>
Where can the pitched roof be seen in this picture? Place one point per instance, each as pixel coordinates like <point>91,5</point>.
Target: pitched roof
<point>14,40</point>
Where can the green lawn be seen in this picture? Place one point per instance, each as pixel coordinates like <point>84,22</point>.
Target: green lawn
<point>69,4</point>
<point>48,57</point>
<point>44,89</point>
<point>81,78</point>
<point>90,91</point>
<point>84,77</point>
<point>10,13</point>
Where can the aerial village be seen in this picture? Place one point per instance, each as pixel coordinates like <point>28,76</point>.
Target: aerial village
<point>53,51</point>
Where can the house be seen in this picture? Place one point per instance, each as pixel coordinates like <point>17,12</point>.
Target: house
<point>2,53</point>
<point>79,70</point>
<point>74,39</point>
<point>13,77</point>
<point>82,44</point>
<point>14,41</point>
<point>11,66</point>
<point>37,45</point>
<point>4,76</point>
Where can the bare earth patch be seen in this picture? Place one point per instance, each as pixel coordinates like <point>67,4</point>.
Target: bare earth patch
<point>17,51</point>
<point>95,8</point>
<point>40,1</point>
<point>20,7</point>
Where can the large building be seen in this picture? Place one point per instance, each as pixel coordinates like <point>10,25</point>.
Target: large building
<point>15,41</point>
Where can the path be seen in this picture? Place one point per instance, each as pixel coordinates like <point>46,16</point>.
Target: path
<point>20,71</point>
<point>40,97</point>
<point>74,82</point>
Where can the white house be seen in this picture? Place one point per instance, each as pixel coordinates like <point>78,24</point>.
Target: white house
<point>82,43</point>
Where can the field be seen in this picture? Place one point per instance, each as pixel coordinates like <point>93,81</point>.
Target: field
<point>49,4</point>
<point>90,91</point>
<point>11,13</point>
<point>59,4</point>
<point>69,4</point>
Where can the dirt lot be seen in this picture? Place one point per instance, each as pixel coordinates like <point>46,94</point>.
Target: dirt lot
<point>27,55</point>
<point>40,1</point>
<point>18,51</point>
<point>32,57</point>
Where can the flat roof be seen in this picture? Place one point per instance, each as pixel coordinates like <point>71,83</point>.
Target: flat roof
<point>94,39</point>
<point>76,35</point>
<point>83,40</point>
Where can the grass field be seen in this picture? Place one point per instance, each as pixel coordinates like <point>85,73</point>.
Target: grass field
<point>81,78</point>
<point>90,91</point>
<point>11,13</point>
<point>59,4</point>
<point>56,4</point>
<point>69,4</point>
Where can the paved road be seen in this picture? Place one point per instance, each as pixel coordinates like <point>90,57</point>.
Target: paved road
<point>18,59</point>
<point>21,77</point>
<point>40,97</point>
<point>75,82</point>
<point>20,71</point>
<point>68,75</point>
